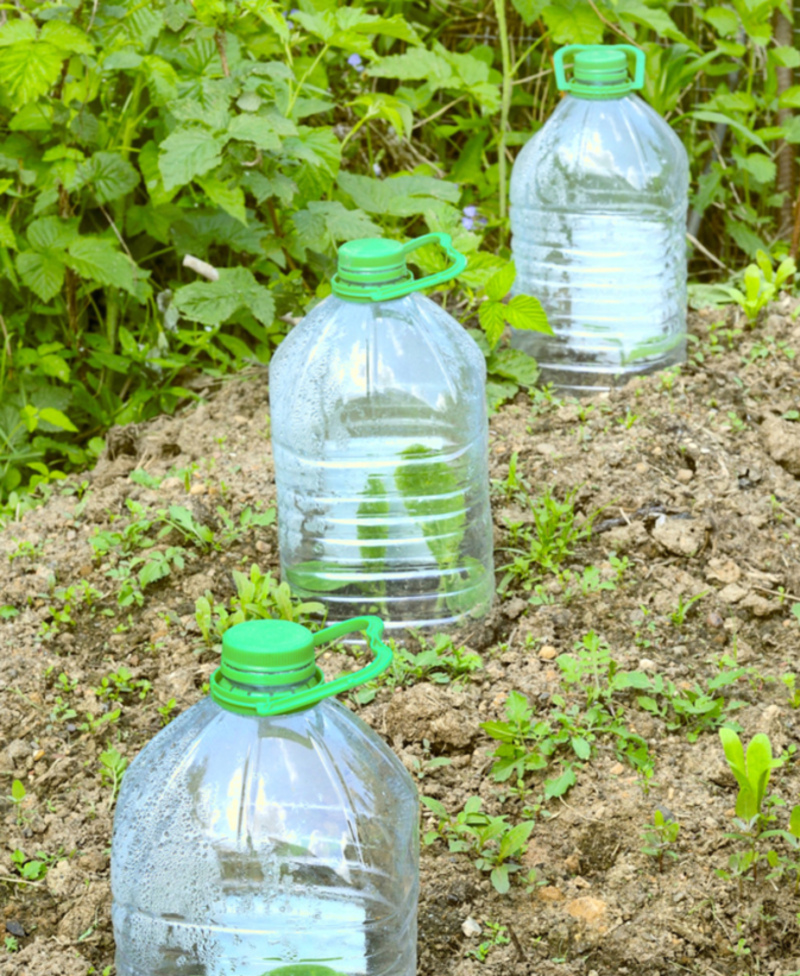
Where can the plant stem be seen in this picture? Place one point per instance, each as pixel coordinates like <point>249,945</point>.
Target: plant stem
<point>505,106</point>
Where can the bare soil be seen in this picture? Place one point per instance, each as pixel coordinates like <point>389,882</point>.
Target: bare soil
<point>697,476</point>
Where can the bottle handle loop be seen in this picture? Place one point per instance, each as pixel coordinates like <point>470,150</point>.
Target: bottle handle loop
<point>459,262</point>
<point>568,86</point>
<point>291,701</point>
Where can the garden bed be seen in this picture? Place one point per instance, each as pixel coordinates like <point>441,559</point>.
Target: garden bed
<point>690,482</point>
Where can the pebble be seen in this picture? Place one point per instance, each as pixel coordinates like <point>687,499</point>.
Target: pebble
<point>14,928</point>
<point>645,664</point>
<point>617,769</point>
<point>715,620</point>
<point>548,652</point>
<point>39,754</point>
<point>732,593</point>
<point>684,475</point>
<point>641,468</point>
<point>198,490</point>
<point>546,449</point>
<point>470,927</point>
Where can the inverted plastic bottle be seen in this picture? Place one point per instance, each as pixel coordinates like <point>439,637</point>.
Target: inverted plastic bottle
<point>268,830</point>
<point>598,215</point>
<point>379,436</point>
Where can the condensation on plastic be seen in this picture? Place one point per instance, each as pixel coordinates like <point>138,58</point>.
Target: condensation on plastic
<point>242,845</point>
<point>380,442</point>
<point>598,216</point>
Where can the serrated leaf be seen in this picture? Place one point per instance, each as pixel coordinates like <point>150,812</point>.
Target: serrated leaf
<point>326,222</point>
<point>492,317</point>
<point>42,272</point>
<point>399,196</point>
<point>162,79</point>
<point>514,364</point>
<point>655,18</point>
<point>526,312</point>
<point>501,282</point>
<point>66,37</point>
<point>560,784</point>
<point>256,129</point>
<point>529,10</point>
<point>416,65</point>
<point>16,32</point>
<point>723,20</point>
<point>55,232</point>
<point>319,147</point>
<point>573,22</point>
<point>356,20</point>
<point>109,175</point>
<point>186,154</point>
<point>213,302</point>
<point>229,198</point>
<point>52,365</point>
<point>28,70</point>
<point>97,260</point>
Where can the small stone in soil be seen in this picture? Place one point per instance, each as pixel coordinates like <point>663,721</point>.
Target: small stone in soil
<point>548,652</point>
<point>14,928</point>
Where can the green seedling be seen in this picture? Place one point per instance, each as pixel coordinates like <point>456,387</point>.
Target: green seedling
<point>113,766</point>
<point>752,771</point>
<point>11,944</point>
<point>31,869</point>
<point>17,797</point>
<point>792,839</point>
<point>659,837</point>
<point>498,936</point>
<point>491,842</point>
<point>428,763</point>
<point>678,616</point>
<point>122,684</point>
<point>761,283</point>
<point>790,680</point>
<point>165,711</point>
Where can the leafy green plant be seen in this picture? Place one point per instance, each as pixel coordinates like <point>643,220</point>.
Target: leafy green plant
<point>791,836</point>
<point>17,797</point>
<point>122,684</point>
<point>659,837</point>
<point>498,936</point>
<point>761,282</point>
<point>752,772</point>
<point>790,680</point>
<point>31,869</point>
<point>258,596</point>
<point>165,711</point>
<point>680,613</point>
<point>492,844</point>
<point>112,769</point>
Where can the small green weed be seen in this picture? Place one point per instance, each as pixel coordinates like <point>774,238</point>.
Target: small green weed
<point>790,680</point>
<point>680,613</point>
<point>17,797</point>
<point>121,684</point>
<point>660,836</point>
<point>498,936</point>
<point>491,843</point>
<point>112,769</point>
<point>31,868</point>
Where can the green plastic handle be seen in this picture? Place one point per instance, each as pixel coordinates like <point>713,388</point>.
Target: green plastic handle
<point>388,292</point>
<point>639,59</point>
<point>292,701</point>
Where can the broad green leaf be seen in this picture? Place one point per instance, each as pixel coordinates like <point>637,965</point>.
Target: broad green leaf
<point>573,22</point>
<point>319,147</point>
<point>67,37</point>
<point>57,418</point>
<point>492,316</point>
<point>760,764</point>
<point>501,282</point>
<point>229,198</point>
<point>434,498</point>
<point>761,167</point>
<point>794,821</point>
<point>162,79</point>
<point>581,747</point>
<point>526,312</point>
<point>514,840</point>
<point>559,785</point>
<point>518,708</point>
<point>381,106</point>
<point>399,196</point>
<point>213,302</point>
<point>186,154</point>
<point>17,32</point>
<point>256,129</point>
<point>513,364</point>
<point>33,117</point>
<point>723,20</point>
<point>790,98</point>
<point>529,10</point>
<point>42,272</point>
<point>96,259</point>
<point>734,753</point>
<point>28,70</point>
<point>17,790</point>
<point>52,365</point>
<point>148,164</point>
<point>53,232</point>
<point>655,18</point>
<point>499,879</point>
<point>356,20</point>
<point>7,238</point>
<point>326,222</point>
<point>498,391</point>
<point>416,65</point>
<point>109,175</point>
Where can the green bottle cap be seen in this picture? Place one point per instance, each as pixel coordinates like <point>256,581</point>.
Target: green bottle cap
<point>261,657</point>
<point>374,269</point>
<point>599,70</point>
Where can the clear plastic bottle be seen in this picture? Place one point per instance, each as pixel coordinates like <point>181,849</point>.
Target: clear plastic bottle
<point>266,830</point>
<point>598,215</point>
<point>379,435</point>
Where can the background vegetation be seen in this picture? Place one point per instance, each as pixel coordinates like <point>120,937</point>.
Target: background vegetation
<point>258,137</point>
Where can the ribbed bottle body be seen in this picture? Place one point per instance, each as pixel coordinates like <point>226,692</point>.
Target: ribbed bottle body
<point>598,218</point>
<point>243,845</point>
<point>380,444</point>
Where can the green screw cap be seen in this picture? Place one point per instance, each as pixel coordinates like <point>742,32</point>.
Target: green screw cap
<point>374,270</point>
<point>599,71</point>
<point>268,667</point>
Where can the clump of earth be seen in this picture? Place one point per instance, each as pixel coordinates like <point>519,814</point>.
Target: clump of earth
<point>690,480</point>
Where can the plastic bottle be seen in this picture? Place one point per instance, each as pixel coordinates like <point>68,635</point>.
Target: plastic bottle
<point>268,830</point>
<point>598,215</point>
<point>379,436</point>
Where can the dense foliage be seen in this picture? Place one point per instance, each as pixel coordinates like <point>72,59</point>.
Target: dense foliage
<point>256,138</point>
